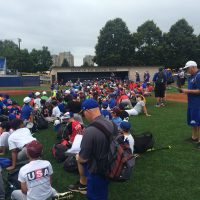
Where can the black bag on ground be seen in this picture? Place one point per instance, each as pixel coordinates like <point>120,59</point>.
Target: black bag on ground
<point>39,121</point>
<point>143,142</point>
<point>12,182</point>
<point>70,164</point>
<point>59,150</point>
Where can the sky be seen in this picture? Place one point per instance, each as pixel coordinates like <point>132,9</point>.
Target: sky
<point>74,25</point>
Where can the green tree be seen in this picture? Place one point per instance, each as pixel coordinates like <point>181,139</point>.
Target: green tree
<point>41,60</point>
<point>10,51</point>
<point>147,40</point>
<point>65,63</point>
<point>180,44</point>
<point>113,47</point>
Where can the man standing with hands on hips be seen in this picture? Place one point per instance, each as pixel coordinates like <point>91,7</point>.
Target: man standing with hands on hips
<point>193,92</point>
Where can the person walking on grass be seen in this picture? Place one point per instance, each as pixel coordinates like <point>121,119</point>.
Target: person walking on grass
<point>193,93</point>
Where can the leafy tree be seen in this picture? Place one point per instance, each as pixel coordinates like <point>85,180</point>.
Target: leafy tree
<point>180,44</point>
<point>147,41</point>
<point>65,63</point>
<point>113,47</point>
<point>41,60</point>
<point>10,51</point>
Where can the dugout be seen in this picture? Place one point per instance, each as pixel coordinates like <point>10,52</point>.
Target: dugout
<point>85,73</point>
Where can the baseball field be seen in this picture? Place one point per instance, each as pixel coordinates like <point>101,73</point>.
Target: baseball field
<point>158,175</point>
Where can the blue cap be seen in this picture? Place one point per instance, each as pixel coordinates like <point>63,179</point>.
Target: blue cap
<point>89,104</point>
<point>105,104</point>
<point>125,125</point>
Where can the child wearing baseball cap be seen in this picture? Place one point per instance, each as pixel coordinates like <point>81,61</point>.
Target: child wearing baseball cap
<point>125,127</point>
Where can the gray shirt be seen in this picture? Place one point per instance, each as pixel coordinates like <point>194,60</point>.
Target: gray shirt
<point>95,145</point>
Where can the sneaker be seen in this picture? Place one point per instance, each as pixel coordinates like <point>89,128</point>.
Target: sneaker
<point>157,105</point>
<point>191,140</point>
<point>162,104</point>
<point>198,146</point>
<point>64,195</point>
<point>78,187</point>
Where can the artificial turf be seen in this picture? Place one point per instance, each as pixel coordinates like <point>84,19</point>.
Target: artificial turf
<point>158,175</point>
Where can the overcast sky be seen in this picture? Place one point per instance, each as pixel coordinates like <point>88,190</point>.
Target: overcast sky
<point>74,25</point>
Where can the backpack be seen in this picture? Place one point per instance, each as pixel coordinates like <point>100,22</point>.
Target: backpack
<point>70,164</point>
<point>42,123</point>
<point>120,160</point>
<point>160,78</point>
<point>59,150</point>
<point>63,132</point>
<point>143,142</point>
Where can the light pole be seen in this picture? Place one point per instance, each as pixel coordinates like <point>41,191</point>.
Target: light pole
<point>19,41</point>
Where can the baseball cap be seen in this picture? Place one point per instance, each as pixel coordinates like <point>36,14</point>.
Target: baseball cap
<point>44,93</point>
<point>37,93</point>
<point>34,149</point>
<point>116,110</point>
<point>67,91</point>
<point>125,125</point>
<point>67,115</point>
<point>190,64</point>
<point>27,99</point>
<point>105,104</point>
<point>89,104</point>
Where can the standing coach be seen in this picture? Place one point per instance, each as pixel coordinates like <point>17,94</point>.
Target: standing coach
<point>193,92</point>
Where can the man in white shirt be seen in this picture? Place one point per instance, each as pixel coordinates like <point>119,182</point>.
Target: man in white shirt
<point>17,142</point>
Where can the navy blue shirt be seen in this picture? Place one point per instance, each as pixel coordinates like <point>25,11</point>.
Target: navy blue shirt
<point>194,84</point>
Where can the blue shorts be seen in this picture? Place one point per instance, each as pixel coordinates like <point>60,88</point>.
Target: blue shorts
<point>97,186</point>
<point>193,117</point>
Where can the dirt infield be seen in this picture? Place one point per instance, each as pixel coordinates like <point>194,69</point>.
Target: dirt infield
<point>178,97</point>
<point>17,92</point>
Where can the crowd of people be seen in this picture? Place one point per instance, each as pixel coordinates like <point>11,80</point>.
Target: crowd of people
<point>109,102</point>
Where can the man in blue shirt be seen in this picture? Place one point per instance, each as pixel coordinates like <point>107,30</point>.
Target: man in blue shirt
<point>193,92</point>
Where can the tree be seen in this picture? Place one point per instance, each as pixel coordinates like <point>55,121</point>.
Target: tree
<point>147,41</point>
<point>180,44</point>
<point>41,60</point>
<point>65,63</point>
<point>10,51</point>
<point>113,47</point>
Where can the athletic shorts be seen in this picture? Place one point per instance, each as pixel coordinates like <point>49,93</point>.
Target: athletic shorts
<point>193,117</point>
<point>160,91</point>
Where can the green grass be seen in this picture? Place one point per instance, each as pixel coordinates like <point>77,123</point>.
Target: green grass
<point>160,175</point>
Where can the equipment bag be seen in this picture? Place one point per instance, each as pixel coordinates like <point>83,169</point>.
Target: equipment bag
<point>63,132</point>
<point>39,121</point>
<point>59,150</point>
<point>120,160</point>
<point>143,142</point>
<point>70,164</point>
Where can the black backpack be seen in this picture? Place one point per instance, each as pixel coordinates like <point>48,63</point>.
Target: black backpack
<point>59,150</point>
<point>42,123</point>
<point>160,78</point>
<point>143,142</point>
<point>70,164</point>
<point>120,160</point>
<point>63,132</point>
